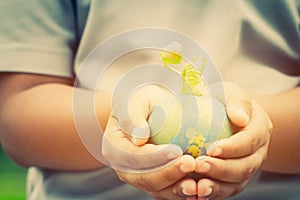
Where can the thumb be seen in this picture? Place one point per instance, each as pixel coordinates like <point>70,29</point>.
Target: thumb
<point>132,119</point>
<point>239,111</point>
<point>131,114</point>
<point>238,102</point>
<point>139,111</point>
<point>140,104</point>
<point>140,131</point>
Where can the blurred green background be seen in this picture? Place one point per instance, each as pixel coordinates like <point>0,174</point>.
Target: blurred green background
<point>12,179</point>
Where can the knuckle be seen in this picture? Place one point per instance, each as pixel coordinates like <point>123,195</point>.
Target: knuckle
<point>132,161</point>
<point>145,184</point>
<point>216,192</point>
<point>226,172</point>
<point>270,129</point>
<point>169,177</point>
<point>106,154</point>
<point>234,149</point>
<point>265,156</point>
<point>239,188</point>
<point>105,151</point>
<point>248,173</point>
<point>253,144</point>
<point>111,159</point>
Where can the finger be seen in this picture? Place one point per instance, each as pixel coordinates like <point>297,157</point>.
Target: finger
<point>131,114</point>
<point>161,178</point>
<point>122,154</point>
<point>247,141</point>
<point>149,107</point>
<point>236,100</point>
<point>225,91</point>
<point>132,111</point>
<point>218,190</point>
<point>239,111</point>
<point>139,106</point>
<point>184,189</point>
<point>231,170</point>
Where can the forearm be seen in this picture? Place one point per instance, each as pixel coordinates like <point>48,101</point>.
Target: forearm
<point>38,128</point>
<point>284,111</point>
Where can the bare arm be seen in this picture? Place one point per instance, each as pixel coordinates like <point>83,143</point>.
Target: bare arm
<point>284,111</point>
<point>36,120</point>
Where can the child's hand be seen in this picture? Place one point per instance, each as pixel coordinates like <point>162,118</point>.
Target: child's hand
<point>151,168</point>
<point>128,149</point>
<point>169,182</point>
<point>122,154</point>
<point>233,161</point>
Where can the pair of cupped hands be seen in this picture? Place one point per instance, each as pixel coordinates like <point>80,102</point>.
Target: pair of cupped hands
<point>164,172</point>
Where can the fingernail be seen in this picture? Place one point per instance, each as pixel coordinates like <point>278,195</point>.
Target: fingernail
<point>201,157</point>
<point>185,192</point>
<point>211,147</point>
<point>207,193</point>
<point>184,169</point>
<point>215,151</point>
<point>188,188</point>
<point>243,115</point>
<point>212,150</point>
<point>204,168</point>
<point>172,151</point>
<point>140,134</point>
<point>172,155</point>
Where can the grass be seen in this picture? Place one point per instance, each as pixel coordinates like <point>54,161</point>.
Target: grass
<point>12,179</point>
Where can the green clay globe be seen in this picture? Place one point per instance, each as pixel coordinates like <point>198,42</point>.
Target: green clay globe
<point>193,123</point>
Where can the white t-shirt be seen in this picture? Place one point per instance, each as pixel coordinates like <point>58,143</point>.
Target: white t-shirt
<point>254,44</point>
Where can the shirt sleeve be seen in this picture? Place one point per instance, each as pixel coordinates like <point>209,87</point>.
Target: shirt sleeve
<point>271,34</point>
<point>37,36</point>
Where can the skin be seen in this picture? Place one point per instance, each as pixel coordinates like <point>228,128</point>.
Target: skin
<point>281,155</point>
<point>26,97</point>
<point>233,156</point>
<point>25,100</point>
<point>284,111</point>
<point>233,161</point>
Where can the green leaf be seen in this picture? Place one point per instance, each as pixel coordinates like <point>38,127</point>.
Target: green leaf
<point>169,57</point>
<point>191,80</point>
<point>191,73</point>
